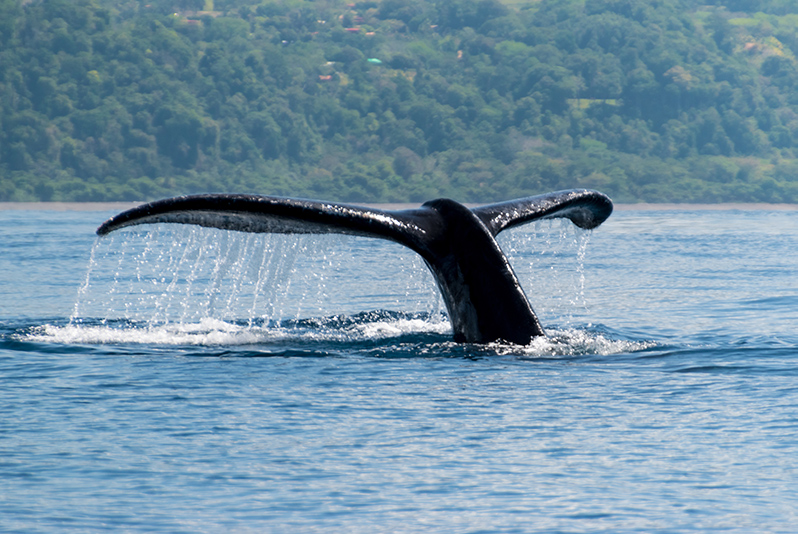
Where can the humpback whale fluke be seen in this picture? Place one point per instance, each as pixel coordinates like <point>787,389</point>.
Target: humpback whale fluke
<point>482,294</point>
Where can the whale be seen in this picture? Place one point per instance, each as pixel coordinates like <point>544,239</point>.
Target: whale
<point>483,297</point>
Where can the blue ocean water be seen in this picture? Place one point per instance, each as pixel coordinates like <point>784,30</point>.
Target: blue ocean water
<point>177,379</point>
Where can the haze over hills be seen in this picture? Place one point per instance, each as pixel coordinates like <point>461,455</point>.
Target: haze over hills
<point>399,100</point>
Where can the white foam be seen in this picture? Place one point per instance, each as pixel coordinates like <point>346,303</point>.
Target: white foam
<point>399,327</point>
<point>215,332</point>
<point>575,342</point>
<point>206,332</point>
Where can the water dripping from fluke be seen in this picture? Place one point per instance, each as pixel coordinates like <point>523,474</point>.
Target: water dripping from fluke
<point>184,285</point>
<point>180,282</point>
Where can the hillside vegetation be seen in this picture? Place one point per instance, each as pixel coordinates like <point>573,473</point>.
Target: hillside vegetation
<point>399,100</point>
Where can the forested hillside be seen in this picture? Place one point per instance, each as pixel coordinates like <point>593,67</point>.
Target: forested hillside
<point>399,100</point>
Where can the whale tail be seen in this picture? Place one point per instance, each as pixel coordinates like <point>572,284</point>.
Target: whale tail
<point>483,297</point>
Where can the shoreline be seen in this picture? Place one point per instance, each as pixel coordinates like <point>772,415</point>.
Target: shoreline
<point>642,206</point>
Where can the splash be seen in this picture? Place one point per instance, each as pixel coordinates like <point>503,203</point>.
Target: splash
<point>549,260</point>
<point>186,285</point>
<point>576,342</point>
<point>175,274</point>
<point>214,332</point>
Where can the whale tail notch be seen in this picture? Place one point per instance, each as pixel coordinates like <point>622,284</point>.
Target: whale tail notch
<point>483,297</point>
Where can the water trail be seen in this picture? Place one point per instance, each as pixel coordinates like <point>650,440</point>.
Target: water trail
<point>258,271</point>
<point>172,291</point>
<point>84,287</point>
<point>549,259</point>
<point>185,275</point>
<point>197,279</point>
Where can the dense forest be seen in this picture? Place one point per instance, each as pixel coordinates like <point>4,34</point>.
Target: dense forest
<point>399,100</point>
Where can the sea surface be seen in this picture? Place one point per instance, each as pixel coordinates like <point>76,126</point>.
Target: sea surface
<point>169,378</point>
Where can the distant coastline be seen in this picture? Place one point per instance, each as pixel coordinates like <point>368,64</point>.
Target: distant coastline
<point>642,206</point>
<point>397,101</point>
